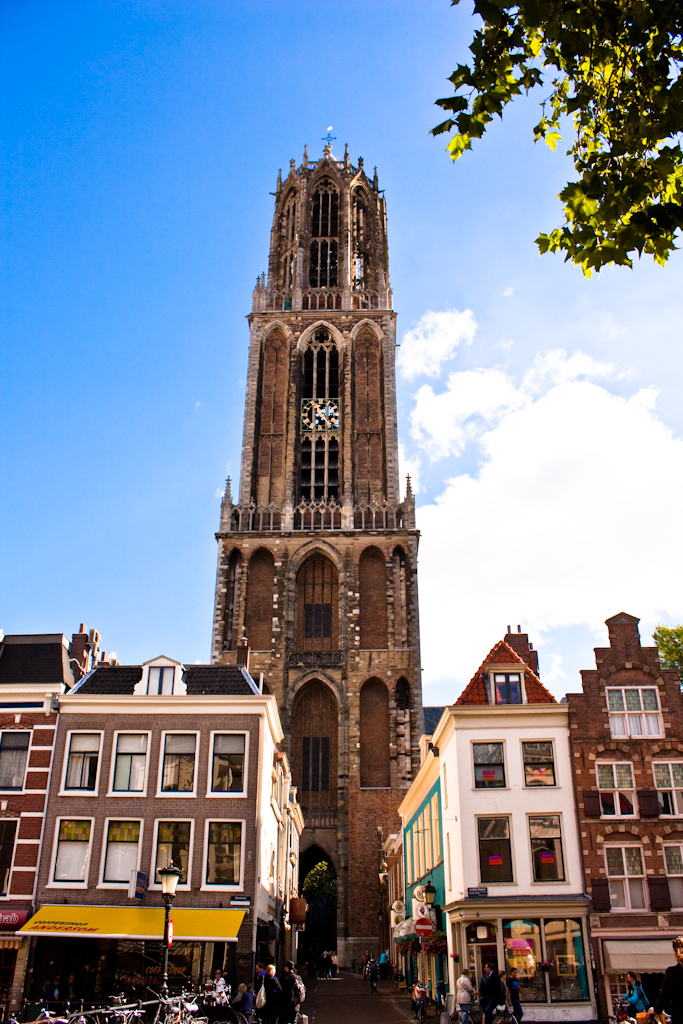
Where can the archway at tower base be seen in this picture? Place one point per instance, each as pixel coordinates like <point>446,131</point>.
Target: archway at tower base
<point>321,918</point>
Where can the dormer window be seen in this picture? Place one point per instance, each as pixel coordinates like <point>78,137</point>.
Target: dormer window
<point>161,679</point>
<point>505,688</point>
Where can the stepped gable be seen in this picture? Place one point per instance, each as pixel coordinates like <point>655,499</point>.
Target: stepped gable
<point>503,654</point>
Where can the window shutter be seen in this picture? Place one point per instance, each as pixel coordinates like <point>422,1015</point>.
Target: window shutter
<point>591,804</point>
<point>660,897</point>
<point>648,803</point>
<point>601,900</point>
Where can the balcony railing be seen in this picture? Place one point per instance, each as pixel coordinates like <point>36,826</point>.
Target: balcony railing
<point>317,515</point>
<point>314,659</point>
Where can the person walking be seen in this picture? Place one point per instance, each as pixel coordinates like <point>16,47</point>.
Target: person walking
<point>488,988</point>
<point>513,995</point>
<point>670,996</point>
<point>464,992</point>
<point>383,961</point>
<point>270,1010</point>
<point>372,971</point>
<point>290,994</point>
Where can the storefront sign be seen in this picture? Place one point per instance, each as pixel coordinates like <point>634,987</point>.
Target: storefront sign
<point>11,919</point>
<point>193,925</point>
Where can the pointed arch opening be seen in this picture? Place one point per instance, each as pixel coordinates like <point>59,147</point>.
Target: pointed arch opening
<point>270,411</point>
<point>400,589</point>
<point>368,417</point>
<point>258,619</point>
<point>232,599</point>
<point>403,701</point>
<point>320,419</point>
<point>372,577</point>
<point>317,605</point>
<point>314,747</point>
<point>374,735</point>
<point>321,916</point>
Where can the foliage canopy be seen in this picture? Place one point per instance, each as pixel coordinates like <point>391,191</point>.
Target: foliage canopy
<point>318,883</point>
<point>615,67</point>
<point>669,640</point>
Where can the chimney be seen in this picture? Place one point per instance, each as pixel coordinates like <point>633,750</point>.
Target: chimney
<point>624,637</point>
<point>243,653</point>
<point>80,651</point>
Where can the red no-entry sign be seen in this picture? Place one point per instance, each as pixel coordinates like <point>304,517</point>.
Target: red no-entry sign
<point>424,927</point>
<point>169,936</point>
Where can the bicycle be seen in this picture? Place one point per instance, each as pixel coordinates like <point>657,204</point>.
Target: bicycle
<point>504,1015</point>
<point>620,1015</point>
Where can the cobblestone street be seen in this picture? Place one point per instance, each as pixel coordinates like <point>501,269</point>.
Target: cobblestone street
<point>348,1000</point>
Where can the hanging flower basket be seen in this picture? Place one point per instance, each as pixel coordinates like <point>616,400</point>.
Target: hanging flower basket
<point>546,965</point>
<point>436,944</point>
<point>407,946</point>
<point>455,956</point>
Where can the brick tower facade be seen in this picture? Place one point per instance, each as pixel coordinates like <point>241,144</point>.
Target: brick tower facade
<point>317,562</point>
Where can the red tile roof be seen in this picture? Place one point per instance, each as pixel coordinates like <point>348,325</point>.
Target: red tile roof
<point>503,654</point>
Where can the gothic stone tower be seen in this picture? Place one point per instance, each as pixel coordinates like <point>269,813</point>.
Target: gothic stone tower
<point>317,561</point>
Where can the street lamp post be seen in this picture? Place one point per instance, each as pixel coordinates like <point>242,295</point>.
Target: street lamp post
<point>169,880</point>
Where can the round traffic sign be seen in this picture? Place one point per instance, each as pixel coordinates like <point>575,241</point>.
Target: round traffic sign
<point>423,926</point>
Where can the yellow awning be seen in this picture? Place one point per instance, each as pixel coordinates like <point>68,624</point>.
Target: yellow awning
<point>135,923</point>
<point>649,955</point>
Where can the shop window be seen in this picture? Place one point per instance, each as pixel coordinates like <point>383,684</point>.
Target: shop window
<point>224,853</point>
<point>522,942</point>
<point>13,756</point>
<point>130,763</point>
<point>227,771</point>
<point>546,847</point>
<point>84,755</point>
<point>8,831</point>
<point>539,764</point>
<point>505,688</point>
<point>121,856</point>
<point>160,680</point>
<point>495,855</point>
<point>564,950</point>
<point>673,858</point>
<point>489,766</point>
<point>73,843</point>
<point>669,783</point>
<point>626,877</point>
<point>634,711</point>
<point>173,847</point>
<point>178,769</point>
<point>615,783</point>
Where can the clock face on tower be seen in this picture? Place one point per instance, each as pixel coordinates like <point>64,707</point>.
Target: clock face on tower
<point>320,414</point>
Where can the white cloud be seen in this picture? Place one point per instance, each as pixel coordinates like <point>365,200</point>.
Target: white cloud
<point>508,292</point>
<point>433,340</point>
<point>574,515</point>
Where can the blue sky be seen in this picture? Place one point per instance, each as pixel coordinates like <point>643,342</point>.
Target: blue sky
<point>140,143</point>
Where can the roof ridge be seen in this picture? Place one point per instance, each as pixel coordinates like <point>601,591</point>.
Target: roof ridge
<point>517,658</point>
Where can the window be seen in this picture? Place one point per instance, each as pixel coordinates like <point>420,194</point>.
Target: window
<point>615,782</point>
<point>445,787</point>
<point>8,830</point>
<point>224,852</point>
<point>669,783</point>
<point>160,679</point>
<point>409,862</point>
<point>130,763</point>
<point>448,859</point>
<point>13,755</point>
<point>173,847</point>
<point>539,764</point>
<point>673,858</point>
<point>73,843</point>
<point>178,770</point>
<point>429,863</point>
<point>227,772</point>
<point>84,754</point>
<point>435,829</point>
<point>505,688</point>
<point>489,769</point>
<point>420,826</point>
<point>546,848</point>
<point>626,877</point>
<point>522,942</point>
<point>495,856</point>
<point>634,711</point>
<point>564,950</point>
<point>122,851</point>
<point>416,853</point>
<point>315,763</point>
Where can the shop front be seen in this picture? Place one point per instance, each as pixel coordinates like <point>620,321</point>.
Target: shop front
<point>546,942</point>
<point>13,952</point>
<point>117,949</point>
<point>648,957</point>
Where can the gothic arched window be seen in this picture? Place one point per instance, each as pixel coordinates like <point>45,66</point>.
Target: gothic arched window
<point>400,588</point>
<point>258,619</point>
<point>317,605</point>
<point>320,421</point>
<point>314,745</point>
<point>403,695</point>
<point>374,735</point>
<point>368,414</point>
<point>232,599</point>
<point>372,575</point>
<point>323,261</point>
<point>271,411</point>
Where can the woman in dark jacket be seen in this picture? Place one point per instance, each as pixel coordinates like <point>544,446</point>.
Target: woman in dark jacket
<point>271,1010</point>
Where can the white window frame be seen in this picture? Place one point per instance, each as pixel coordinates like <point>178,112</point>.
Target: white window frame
<point>22,788</point>
<point>63,791</point>
<point>613,765</point>
<point>112,767</point>
<point>211,794</point>
<point>8,895</point>
<point>176,794</point>
<point>55,847</point>
<point>511,840</point>
<point>563,847</point>
<point>151,883</point>
<point>206,886</point>
<point>679,845</point>
<point>500,742</point>
<point>103,853</point>
<point>646,895</point>
<point>506,671</point>
<point>539,739</point>
<point>673,790</point>
<point>625,714</point>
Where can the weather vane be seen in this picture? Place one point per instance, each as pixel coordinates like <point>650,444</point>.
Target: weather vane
<point>329,138</point>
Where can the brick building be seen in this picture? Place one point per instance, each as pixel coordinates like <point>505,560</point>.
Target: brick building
<point>627,746</point>
<point>157,763</point>
<point>317,560</point>
<point>35,670</point>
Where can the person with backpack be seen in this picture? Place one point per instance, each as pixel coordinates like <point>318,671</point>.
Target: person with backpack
<point>293,994</point>
<point>372,969</point>
<point>637,1000</point>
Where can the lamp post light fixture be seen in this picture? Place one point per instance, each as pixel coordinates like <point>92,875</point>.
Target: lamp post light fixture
<point>430,894</point>
<point>170,877</point>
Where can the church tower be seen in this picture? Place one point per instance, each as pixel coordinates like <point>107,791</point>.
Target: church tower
<point>317,562</point>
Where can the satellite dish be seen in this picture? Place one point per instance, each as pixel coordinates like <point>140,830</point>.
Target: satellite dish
<point>398,907</point>
<point>419,894</point>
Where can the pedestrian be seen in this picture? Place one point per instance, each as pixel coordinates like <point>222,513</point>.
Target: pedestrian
<point>335,964</point>
<point>383,960</point>
<point>238,1001</point>
<point>670,996</point>
<point>464,991</point>
<point>293,994</point>
<point>273,995</point>
<point>501,995</point>
<point>48,991</point>
<point>513,995</point>
<point>637,1000</point>
<point>71,993</point>
<point>248,1001</point>
<point>57,988</point>
<point>488,986</point>
<point>372,971</point>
